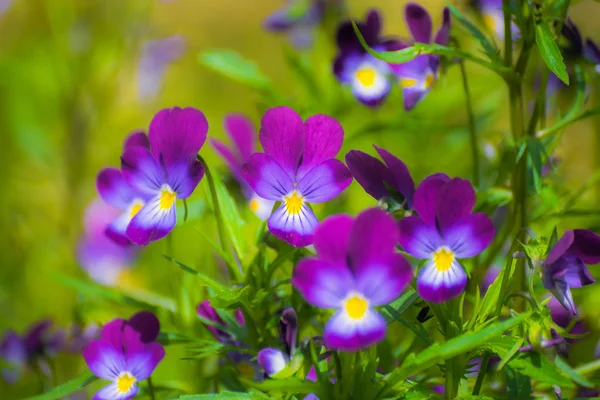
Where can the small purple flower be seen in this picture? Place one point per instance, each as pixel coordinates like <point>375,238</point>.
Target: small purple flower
<point>243,138</point>
<point>297,168</point>
<point>80,336</point>
<point>297,18</point>
<point>418,76</point>
<point>368,77</point>
<point>356,270</point>
<point>13,355</point>
<point>156,56</point>
<point>563,318</point>
<point>493,18</point>
<point>565,265</point>
<point>206,311</point>
<point>379,179</point>
<point>444,230</point>
<point>125,354</point>
<point>274,360</point>
<point>592,54</point>
<point>165,172</point>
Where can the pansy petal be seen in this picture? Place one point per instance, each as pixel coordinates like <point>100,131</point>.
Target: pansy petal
<point>322,283</point>
<point>438,286</point>
<point>241,131</point>
<point>136,139</point>
<point>470,236</point>
<point>262,208</point>
<point>418,238</point>
<point>141,170</point>
<point>142,363</point>
<point>374,235</point>
<point>112,332</point>
<point>586,244</point>
<point>443,34</point>
<point>325,181</point>
<point>419,22</point>
<point>103,359</point>
<point>373,25</point>
<point>175,133</point>
<point>562,293</point>
<point>234,163</point>
<point>591,52</point>
<point>323,140</point>
<point>332,238</point>
<point>282,137</point>
<point>184,175</point>
<point>412,96</point>
<point>346,38</point>
<point>146,324</point>
<point>272,360</point>
<point>426,196</point>
<point>348,334</point>
<point>152,222</point>
<point>402,182</point>
<point>266,177</point>
<point>384,279</point>
<point>369,172</point>
<point>373,87</point>
<point>296,229</point>
<point>560,247</point>
<point>112,392</point>
<point>117,229</point>
<point>455,202</point>
<point>113,189</point>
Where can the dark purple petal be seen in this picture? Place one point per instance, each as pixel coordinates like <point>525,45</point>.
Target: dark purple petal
<point>443,34</point>
<point>373,26</point>
<point>560,247</point>
<point>103,359</point>
<point>142,171</point>
<point>142,363</point>
<point>153,222</point>
<point>470,236</point>
<point>136,139</point>
<point>332,237</point>
<point>42,339</point>
<point>272,360</point>
<point>323,140</point>
<point>282,137</point>
<point>146,324</point>
<point>288,329</point>
<point>323,284</point>
<point>374,236</point>
<point>113,189</point>
<point>184,175</point>
<point>348,334</point>
<point>592,52</point>
<point>384,280</point>
<point>426,197</point>
<point>456,200</point>
<point>266,177</point>
<point>418,238</point>
<point>369,172</point>
<point>402,182</point>
<point>438,286</point>
<point>346,38</point>
<point>586,245</point>
<point>324,181</point>
<point>294,229</point>
<point>572,269</point>
<point>419,22</point>
<point>177,133</point>
<point>241,131</point>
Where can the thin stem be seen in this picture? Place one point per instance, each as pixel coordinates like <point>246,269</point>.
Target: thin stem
<point>338,365</point>
<point>481,374</point>
<point>472,128</point>
<point>151,388</point>
<point>589,367</point>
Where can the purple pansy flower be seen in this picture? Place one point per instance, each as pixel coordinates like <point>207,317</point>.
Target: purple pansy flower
<point>165,171</point>
<point>156,56</point>
<point>444,230</point>
<point>565,265</point>
<point>379,179</point>
<point>125,354</point>
<point>274,360</point>
<point>418,76</point>
<point>297,168</point>
<point>103,258</point>
<point>368,77</point>
<point>297,18</point>
<point>206,311</point>
<point>242,134</point>
<point>356,270</point>
<point>493,18</point>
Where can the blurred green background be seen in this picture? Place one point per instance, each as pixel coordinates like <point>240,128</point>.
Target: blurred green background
<point>69,95</point>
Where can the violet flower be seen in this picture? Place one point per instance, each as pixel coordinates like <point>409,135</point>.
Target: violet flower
<point>242,134</point>
<point>356,269</point>
<point>274,360</point>
<point>156,56</point>
<point>565,265</point>
<point>368,77</point>
<point>297,168</point>
<point>206,311</point>
<point>13,355</point>
<point>297,18</point>
<point>125,354</point>
<point>418,75</point>
<point>382,180</point>
<point>493,18</point>
<point>444,230</point>
<point>592,54</point>
<point>165,171</point>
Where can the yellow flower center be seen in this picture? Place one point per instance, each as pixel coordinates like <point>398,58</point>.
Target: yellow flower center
<point>167,197</point>
<point>254,205</point>
<point>407,82</point>
<point>490,22</point>
<point>356,307</point>
<point>135,209</point>
<point>443,258</point>
<point>366,76</point>
<point>124,382</point>
<point>293,203</point>
<point>429,81</point>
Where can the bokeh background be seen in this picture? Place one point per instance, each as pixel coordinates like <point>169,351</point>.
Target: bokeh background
<point>73,84</point>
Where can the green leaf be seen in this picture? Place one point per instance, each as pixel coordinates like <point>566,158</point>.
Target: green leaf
<point>64,390</point>
<point>235,67</point>
<point>538,367</point>
<point>289,385</point>
<point>518,386</point>
<point>536,152</point>
<point>491,50</point>
<point>291,368</point>
<point>206,280</point>
<point>493,296</point>
<point>253,395</point>
<point>550,51</point>
<point>571,373</point>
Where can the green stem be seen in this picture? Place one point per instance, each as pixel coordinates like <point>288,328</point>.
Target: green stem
<point>338,365</point>
<point>472,128</point>
<point>481,374</point>
<point>455,365</point>
<point>589,367</point>
<point>151,389</point>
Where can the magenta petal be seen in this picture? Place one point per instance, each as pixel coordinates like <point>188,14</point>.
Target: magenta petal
<point>113,331</point>
<point>347,334</point>
<point>266,177</point>
<point>184,175</point>
<point>426,197</point>
<point>437,287</point>
<point>152,222</point>
<point>455,202</point>
<point>177,133</point>
<point>586,245</point>
<point>369,172</point>
<point>443,34</point>
<point>325,181</point>
<point>103,359</point>
<point>332,238</point>
<point>141,170</point>
<point>470,236</point>
<point>241,131</point>
<point>142,363</point>
<point>323,140</point>
<point>136,139</point>
<point>419,22</point>
<point>272,360</point>
<point>374,236</point>
<point>323,284</point>
<point>234,163</point>
<point>282,137</point>
<point>560,247</point>
<point>418,238</point>
<point>113,189</point>
<point>403,182</point>
<point>294,229</point>
<point>384,280</point>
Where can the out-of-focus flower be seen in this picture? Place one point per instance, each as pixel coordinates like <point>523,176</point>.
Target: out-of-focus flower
<point>382,180</point>
<point>156,56</point>
<point>274,360</point>
<point>418,76</point>
<point>490,276</point>
<point>103,258</point>
<point>206,311</point>
<point>165,172</point>
<point>565,265</point>
<point>592,53</point>
<point>493,18</point>
<point>563,318</point>
<point>368,77</point>
<point>356,269</point>
<point>297,168</point>
<point>125,354</point>
<point>14,356</point>
<point>80,336</point>
<point>243,143</point>
<point>444,231</point>
<point>297,18</point>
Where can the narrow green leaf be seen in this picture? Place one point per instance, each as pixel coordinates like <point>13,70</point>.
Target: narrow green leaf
<point>289,385</point>
<point>536,151</point>
<point>571,373</point>
<point>235,67</point>
<point>538,367</point>
<point>550,51</point>
<point>208,281</point>
<point>226,395</point>
<point>491,50</point>
<point>64,390</point>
